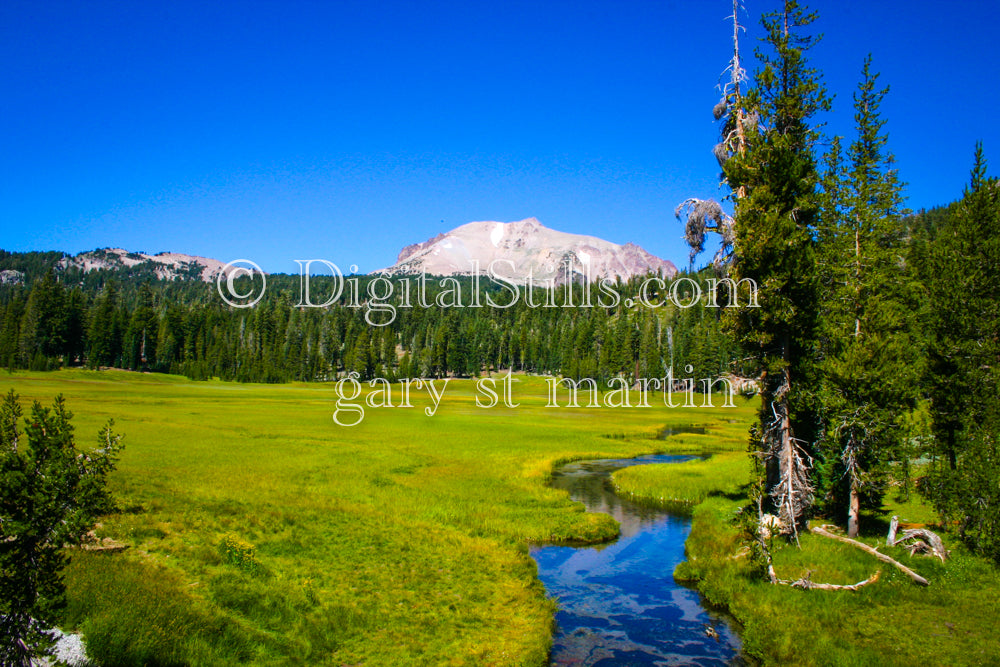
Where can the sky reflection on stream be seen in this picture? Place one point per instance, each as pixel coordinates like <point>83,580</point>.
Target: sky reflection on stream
<point>618,602</point>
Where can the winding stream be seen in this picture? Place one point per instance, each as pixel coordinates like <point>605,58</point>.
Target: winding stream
<point>618,601</point>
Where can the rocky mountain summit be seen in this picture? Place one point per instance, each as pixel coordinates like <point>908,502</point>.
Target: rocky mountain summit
<point>526,248</point>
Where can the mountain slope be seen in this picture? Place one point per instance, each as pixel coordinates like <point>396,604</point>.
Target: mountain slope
<point>165,265</point>
<point>532,249</point>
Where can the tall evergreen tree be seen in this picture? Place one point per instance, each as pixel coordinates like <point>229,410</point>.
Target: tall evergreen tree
<point>43,328</point>
<point>963,293</point>
<point>868,365</point>
<point>10,331</point>
<point>76,326</point>
<point>775,177</point>
<point>105,331</point>
<point>139,348</point>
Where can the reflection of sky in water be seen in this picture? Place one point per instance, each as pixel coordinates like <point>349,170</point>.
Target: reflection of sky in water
<point>618,602</point>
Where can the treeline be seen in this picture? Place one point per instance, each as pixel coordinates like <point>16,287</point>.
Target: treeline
<point>184,327</point>
<point>959,271</point>
<point>869,317</point>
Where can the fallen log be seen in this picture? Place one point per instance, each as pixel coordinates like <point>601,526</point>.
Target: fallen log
<point>821,530</point>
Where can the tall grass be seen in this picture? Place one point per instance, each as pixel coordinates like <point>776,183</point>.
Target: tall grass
<point>683,485</point>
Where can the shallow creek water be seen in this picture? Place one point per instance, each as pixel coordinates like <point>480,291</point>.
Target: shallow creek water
<point>618,601</point>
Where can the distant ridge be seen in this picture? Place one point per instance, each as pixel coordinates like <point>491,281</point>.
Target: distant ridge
<point>532,248</point>
<point>165,265</point>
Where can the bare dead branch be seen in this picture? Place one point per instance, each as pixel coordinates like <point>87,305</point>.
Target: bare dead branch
<point>806,583</point>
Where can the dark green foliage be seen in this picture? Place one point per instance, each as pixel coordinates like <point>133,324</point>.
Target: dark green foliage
<point>869,358</point>
<point>105,332</point>
<point>44,328</point>
<point>50,493</point>
<point>139,349</point>
<point>10,331</point>
<point>962,281</point>
<point>183,327</point>
<point>922,227</point>
<point>33,265</point>
<point>775,181</point>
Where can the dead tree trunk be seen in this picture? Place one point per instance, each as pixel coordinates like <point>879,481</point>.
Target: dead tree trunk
<point>788,463</point>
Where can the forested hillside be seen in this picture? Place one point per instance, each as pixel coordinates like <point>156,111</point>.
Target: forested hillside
<point>119,319</point>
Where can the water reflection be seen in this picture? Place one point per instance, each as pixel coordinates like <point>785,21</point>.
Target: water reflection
<point>618,602</point>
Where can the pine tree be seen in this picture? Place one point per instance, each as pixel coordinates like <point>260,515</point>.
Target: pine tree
<point>43,327</point>
<point>105,331</point>
<point>139,349</point>
<point>774,176</point>
<point>50,494</point>
<point>963,293</point>
<point>767,157</point>
<point>868,363</point>
<point>10,330</point>
<point>76,326</point>
<point>651,361</point>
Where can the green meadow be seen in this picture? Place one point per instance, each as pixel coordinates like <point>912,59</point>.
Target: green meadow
<point>261,532</point>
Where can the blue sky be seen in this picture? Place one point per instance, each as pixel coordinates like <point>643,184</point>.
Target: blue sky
<point>346,130</point>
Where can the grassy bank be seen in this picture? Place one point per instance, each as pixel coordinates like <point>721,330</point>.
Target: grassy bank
<point>686,484</point>
<point>892,622</point>
<point>263,533</point>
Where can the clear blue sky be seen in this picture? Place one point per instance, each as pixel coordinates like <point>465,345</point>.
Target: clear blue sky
<point>345,130</point>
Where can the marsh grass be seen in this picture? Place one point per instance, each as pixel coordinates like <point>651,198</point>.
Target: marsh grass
<point>681,486</point>
<point>263,533</point>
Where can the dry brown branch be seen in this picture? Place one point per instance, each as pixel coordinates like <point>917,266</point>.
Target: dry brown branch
<point>787,463</point>
<point>701,216</point>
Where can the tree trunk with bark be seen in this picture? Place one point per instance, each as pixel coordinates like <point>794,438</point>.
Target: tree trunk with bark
<point>853,510</point>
